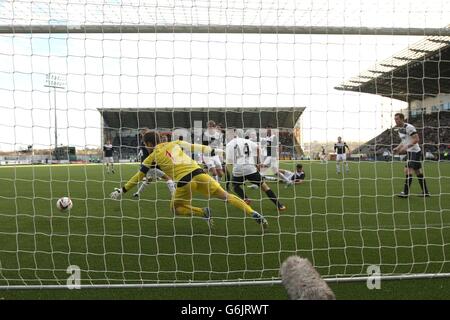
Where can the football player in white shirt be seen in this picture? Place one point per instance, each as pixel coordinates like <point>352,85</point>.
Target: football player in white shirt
<point>269,145</point>
<point>410,145</point>
<point>253,136</point>
<point>242,156</point>
<point>213,138</point>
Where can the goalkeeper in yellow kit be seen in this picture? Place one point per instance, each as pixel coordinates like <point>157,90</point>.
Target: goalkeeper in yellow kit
<point>190,178</point>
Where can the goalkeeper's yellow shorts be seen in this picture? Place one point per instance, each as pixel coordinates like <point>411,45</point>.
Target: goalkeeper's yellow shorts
<point>202,183</point>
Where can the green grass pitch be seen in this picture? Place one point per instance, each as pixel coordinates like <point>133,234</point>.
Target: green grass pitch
<point>342,223</point>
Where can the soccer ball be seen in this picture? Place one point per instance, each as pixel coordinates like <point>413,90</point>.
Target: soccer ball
<point>64,204</point>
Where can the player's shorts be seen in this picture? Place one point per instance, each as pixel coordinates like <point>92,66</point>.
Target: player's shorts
<point>213,162</point>
<point>196,181</point>
<point>288,174</point>
<point>254,178</point>
<point>414,160</point>
<point>341,157</point>
<point>108,160</point>
<point>271,162</point>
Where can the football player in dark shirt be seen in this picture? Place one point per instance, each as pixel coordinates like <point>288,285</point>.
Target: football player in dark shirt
<point>108,156</point>
<point>296,177</point>
<point>340,147</point>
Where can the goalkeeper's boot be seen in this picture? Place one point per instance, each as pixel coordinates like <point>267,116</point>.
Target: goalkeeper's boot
<point>207,217</point>
<point>402,195</point>
<point>282,208</point>
<point>425,194</point>
<point>260,219</point>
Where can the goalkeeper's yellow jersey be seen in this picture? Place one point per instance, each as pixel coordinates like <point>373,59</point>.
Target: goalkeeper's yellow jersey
<point>171,159</point>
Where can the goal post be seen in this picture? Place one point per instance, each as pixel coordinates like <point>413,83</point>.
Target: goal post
<point>291,77</point>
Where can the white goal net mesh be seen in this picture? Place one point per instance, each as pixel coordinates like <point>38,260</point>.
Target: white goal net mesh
<point>66,94</point>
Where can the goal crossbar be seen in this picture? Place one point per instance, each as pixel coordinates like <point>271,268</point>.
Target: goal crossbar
<point>250,29</point>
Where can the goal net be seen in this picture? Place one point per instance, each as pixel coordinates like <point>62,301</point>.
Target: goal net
<point>79,78</point>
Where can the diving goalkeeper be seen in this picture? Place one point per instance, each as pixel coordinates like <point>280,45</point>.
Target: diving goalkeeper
<point>190,178</point>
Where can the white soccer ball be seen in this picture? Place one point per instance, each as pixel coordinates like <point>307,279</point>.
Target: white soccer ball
<point>64,204</point>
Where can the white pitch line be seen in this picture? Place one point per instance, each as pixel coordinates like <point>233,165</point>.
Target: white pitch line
<point>61,165</point>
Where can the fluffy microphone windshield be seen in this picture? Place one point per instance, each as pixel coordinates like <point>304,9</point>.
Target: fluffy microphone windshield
<point>302,281</point>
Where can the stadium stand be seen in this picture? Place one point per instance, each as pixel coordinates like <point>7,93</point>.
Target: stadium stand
<point>433,130</point>
<point>122,125</point>
<point>420,76</point>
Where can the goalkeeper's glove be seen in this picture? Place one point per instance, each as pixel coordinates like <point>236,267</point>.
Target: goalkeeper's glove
<point>117,194</point>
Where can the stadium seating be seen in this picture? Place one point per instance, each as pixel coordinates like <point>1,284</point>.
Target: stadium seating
<point>433,130</point>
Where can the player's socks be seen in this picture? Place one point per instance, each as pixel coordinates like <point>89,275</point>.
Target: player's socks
<point>272,196</point>
<point>347,168</point>
<point>423,184</point>
<point>228,179</point>
<point>239,191</point>
<point>338,168</point>
<point>407,184</point>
